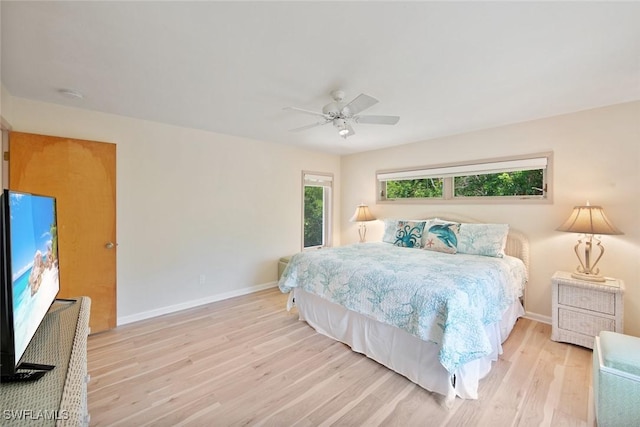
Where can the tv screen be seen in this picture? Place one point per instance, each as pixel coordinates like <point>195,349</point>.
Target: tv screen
<point>30,279</point>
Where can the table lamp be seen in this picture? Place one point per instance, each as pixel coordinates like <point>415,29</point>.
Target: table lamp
<point>588,220</point>
<point>362,215</point>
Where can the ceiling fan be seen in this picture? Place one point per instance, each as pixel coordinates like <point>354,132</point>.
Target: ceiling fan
<point>342,114</point>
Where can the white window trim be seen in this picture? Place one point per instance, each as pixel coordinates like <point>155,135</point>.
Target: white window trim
<point>484,167</point>
<point>319,179</point>
<point>450,170</point>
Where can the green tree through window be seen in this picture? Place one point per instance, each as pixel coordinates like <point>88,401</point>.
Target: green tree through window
<point>414,188</point>
<point>519,183</point>
<point>313,216</point>
<point>316,209</point>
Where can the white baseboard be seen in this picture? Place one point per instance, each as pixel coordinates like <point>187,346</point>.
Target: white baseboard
<point>236,293</point>
<point>538,317</point>
<point>194,303</point>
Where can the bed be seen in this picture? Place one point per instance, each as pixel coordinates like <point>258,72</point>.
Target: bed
<point>433,302</point>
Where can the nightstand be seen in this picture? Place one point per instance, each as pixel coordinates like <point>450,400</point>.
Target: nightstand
<point>581,309</point>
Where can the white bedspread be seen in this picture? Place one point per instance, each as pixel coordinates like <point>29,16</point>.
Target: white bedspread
<point>440,298</point>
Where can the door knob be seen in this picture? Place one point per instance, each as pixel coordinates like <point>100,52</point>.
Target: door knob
<point>109,245</point>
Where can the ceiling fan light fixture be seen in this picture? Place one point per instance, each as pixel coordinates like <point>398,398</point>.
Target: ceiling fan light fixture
<point>341,125</point>
<point>342,114</point>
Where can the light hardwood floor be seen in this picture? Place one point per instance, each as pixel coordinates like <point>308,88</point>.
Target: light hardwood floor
<point>247,361</point>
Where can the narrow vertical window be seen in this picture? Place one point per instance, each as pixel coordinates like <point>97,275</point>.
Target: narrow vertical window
<point>316,209</point>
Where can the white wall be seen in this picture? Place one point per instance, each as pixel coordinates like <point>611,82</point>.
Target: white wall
<point>191,203</point>
<point>5,114</point>
<point>596,158</point>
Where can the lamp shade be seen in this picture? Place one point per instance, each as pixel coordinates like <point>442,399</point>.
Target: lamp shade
<point>588,220</point>
<point>362,214</point>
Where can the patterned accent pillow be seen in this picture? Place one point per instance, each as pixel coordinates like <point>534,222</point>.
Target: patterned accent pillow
<point>442,236</point>
<point>391,226</point>
<point>483,239</point>
<point>407,234</point>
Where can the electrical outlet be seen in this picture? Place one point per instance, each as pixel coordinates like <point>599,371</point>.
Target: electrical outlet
<point>202,279</point>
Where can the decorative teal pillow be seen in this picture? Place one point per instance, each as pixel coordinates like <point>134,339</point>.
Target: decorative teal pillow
<point>442,236</point>
<point>407,234</point>
<point>483,239</point>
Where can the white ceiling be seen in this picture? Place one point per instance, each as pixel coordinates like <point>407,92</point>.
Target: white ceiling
<point>231,67</point>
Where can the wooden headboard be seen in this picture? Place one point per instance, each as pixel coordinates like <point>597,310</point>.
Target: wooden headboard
<point>517,242</point>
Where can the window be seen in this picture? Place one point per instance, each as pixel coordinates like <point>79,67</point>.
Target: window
<point>517,183</point>
<point>511,179</point>
<point>414,188</point>
<point>316,209</point>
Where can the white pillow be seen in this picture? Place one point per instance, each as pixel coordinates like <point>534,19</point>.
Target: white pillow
<point>389,230</point>
<point>483,239</point>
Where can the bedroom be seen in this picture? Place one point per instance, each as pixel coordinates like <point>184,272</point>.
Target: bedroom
<point>192,184</point>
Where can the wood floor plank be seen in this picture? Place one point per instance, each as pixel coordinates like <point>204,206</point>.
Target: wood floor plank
<point>418,408</point>
<point>548,371</point>
<point>246,361</point>
<point>278,390</point>
<point>350,395</point>
<point>574,398</point>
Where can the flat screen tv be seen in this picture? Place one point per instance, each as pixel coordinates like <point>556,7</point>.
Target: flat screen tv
<point>30,277</point>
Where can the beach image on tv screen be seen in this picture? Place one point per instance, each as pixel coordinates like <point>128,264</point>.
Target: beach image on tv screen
<point>34,263</point>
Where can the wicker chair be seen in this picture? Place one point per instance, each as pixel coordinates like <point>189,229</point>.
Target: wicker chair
<point>616,379</point>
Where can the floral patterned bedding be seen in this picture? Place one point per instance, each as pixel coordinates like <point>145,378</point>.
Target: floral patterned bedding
<point>442,298</point>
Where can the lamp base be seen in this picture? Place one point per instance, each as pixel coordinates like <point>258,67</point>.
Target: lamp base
<point>588,277</point>
<point>362,232</point>
<point>587,270</point>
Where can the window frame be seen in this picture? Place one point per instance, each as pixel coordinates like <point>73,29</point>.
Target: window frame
<point>325,180</point>
<point>448,171</point>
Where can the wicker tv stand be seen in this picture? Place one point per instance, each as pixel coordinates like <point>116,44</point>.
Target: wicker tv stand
<point>60,397</point>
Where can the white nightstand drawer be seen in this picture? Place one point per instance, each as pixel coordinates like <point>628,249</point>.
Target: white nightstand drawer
<point>584,323</point>
<point>587,299</point>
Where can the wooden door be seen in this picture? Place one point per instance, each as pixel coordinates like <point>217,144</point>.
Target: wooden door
<point>82,176</point>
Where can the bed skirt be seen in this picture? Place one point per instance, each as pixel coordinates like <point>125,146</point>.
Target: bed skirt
<point>400,351</point>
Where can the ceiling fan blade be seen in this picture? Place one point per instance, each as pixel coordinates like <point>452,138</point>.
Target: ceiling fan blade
<point>377,120</point>
<point>309,126</point>
<point>360,103</point>
<point>302,110</point>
